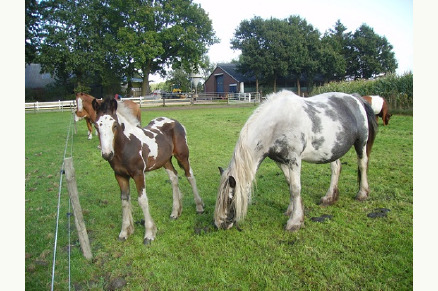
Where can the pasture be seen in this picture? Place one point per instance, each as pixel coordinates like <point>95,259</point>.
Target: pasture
<point>350,251</point>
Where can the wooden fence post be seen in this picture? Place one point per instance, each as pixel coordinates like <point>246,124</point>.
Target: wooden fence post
<point>77,210</point>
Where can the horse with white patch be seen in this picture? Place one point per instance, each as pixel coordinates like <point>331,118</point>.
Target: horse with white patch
<point>380,107</point>
<point>131,151</point>
<point>84,110</point>
<point>290,129</point>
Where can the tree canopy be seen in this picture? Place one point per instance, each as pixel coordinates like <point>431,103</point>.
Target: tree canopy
<point>292,48</point>
<point>107,41</point>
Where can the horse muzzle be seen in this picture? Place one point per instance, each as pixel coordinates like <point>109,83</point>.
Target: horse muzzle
<point>108,156</point>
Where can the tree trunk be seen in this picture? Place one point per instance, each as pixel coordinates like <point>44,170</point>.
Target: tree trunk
<point>145,85</point>
<point>145,90</point>
<point>257,85</point>
<point>275,84</point>
<point>298,87</point>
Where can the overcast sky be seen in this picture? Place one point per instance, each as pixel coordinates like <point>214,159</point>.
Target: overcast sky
<point>390,18</point>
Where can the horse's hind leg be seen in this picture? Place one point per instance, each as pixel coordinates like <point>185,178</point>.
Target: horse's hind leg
<point>177,195</point>
<point>184,163</point>
<point>90,128</point>
<point>362,161</point>
<point>127,220</point>
<point>286,173</point>
<point>333,192</point>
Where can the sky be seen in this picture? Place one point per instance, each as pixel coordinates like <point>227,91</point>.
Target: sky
<point>390,18</point>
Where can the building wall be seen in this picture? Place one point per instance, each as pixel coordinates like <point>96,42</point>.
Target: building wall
<point>211,86</point>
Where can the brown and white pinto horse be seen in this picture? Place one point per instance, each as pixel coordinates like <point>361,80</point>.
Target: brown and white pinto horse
<point>131,151</point>
<point>380,107</point>
<point>84,110</point>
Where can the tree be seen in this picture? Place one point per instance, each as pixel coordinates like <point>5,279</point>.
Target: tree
<point>303,47</point>
<point>249,38</point>
<point>277,48</point>
<point>332,60</point>
<point>162,33</point>
<point>76,41</point>
<point>369,54</point>
<point>31,20</point>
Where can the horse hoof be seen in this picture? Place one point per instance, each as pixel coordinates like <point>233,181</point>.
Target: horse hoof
<point>200,212</point>
<point>293,228</point>
<point>147,241</point>
<point>361,197</point>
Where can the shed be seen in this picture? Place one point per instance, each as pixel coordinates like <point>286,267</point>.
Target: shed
<point>225,79</point>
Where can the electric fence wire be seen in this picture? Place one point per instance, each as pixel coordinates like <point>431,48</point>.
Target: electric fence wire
<point>59,204</point>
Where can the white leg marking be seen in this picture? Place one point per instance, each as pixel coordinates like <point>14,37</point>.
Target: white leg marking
<point>177,195</point>
<point>197,197</point>
<point>363,186</point>
<point>127,220</point>
<point>151,229</point>
<point>296,219</point>
<point>332,193</point>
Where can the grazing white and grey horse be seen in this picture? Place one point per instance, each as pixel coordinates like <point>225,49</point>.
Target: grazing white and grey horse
<point>290,129</point>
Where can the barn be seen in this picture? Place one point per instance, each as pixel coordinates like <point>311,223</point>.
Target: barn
<point>226,79</point>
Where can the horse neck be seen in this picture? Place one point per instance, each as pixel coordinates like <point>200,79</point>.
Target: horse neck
<point>86,103</point>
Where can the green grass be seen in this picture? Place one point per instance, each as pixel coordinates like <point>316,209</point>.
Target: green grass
<point>349,252</point>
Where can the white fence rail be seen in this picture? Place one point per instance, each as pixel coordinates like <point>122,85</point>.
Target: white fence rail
<point>155,100</point>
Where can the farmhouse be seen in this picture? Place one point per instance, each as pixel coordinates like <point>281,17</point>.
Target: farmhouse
<point>227,79</point>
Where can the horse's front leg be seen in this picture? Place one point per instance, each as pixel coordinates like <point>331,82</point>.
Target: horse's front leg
<point>127,220</point>
<point>333,192</point>
<point>296,218</point>
<point>149,224</point>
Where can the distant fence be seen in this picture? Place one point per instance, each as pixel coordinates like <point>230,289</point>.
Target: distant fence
<point>156,100</point>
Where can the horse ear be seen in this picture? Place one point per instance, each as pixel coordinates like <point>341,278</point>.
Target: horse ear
<point>95,105</point>
<point>232,182</point>
<point>221,171</point>
<point>113,105</point>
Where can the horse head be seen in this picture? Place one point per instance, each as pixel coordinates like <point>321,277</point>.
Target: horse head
<point>225,211</point>
<point>107,125</point>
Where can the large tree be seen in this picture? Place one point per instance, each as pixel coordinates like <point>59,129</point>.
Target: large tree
<point>162,33</point>
<point>276,48</point>
<point>332,60</point>
<point>303,49</point>
<point>105,42</point>
<point>76,40</point>
<point>249,38</point>
<point>369,54</point>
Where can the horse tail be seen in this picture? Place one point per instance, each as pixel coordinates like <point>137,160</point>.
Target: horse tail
<point>372,126</point>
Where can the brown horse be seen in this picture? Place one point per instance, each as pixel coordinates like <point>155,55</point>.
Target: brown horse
<point>84,110</point>
<point>380,107</point>
<point>131,151</point>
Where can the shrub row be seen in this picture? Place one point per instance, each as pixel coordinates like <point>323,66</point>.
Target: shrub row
<point>397,90</point>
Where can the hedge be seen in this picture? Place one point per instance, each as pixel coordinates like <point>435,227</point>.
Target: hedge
<point>397,90</point>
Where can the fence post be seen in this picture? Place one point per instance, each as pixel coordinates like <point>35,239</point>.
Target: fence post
<point>77,210</point>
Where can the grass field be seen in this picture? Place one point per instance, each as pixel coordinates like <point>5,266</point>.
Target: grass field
<point>349,252</point>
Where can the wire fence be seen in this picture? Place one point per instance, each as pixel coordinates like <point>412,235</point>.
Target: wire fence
<point>69,139</point>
